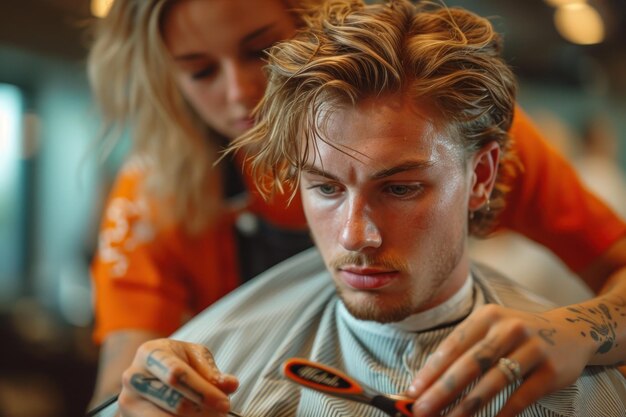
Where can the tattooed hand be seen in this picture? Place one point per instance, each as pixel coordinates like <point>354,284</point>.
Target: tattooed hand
<point>172,377</point>
<point>551,348</point>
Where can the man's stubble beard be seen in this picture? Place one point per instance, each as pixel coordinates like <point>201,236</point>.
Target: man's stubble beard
<point>409,302</point>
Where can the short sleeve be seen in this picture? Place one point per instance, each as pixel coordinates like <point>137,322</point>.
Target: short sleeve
<point>152,278</point>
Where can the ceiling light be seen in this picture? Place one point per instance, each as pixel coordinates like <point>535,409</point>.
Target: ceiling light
<point>559,3</point>
<point>100,8</point>
<point>579,23</point>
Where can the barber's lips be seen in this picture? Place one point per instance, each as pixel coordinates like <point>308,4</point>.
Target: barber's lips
<point>245,123</point>
<point>368,278</point>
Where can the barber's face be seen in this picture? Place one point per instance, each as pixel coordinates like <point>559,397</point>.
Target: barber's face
<point>218,47</point>
<point>388,208</point>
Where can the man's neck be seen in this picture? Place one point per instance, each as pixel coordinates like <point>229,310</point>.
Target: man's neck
<point>451,310</point>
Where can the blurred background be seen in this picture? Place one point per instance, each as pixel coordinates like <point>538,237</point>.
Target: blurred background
<point>570,57</point>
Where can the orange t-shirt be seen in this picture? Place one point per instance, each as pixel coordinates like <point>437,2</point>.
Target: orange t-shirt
<point>155,279</point>
<point>549,204</point>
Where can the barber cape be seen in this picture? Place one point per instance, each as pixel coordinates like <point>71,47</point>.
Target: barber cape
<point>293,310</point>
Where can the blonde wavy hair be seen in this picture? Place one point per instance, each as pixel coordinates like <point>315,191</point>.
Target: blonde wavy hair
<point>351,51</point>
<point>132,80</point>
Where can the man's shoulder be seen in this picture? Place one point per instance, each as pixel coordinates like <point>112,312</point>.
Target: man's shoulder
<point>500,289</point>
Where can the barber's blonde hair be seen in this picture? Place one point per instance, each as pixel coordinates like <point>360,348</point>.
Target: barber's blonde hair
<point>131,76</point>
<point>350,51</point>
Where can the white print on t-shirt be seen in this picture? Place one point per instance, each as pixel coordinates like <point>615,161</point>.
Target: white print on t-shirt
<point>130,228</point>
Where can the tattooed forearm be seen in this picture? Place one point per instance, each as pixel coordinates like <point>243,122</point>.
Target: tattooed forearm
<point>617,301</point>
<point>600,321</point>
<point>540,317</point>
<point>155,388</point>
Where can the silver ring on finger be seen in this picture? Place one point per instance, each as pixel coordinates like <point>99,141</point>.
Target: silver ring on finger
<point>511,369</point>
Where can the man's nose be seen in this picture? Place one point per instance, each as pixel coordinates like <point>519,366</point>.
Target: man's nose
<point>359,231</point>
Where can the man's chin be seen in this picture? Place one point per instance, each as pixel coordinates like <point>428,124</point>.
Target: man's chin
<point>375,310</point>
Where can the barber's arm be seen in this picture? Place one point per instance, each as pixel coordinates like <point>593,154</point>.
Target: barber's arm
<point>551,348</point>
<point>116,354</point>
<point>611,266</point>
<point>169,377</point>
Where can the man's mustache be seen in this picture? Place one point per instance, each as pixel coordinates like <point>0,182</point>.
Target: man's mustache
<point>387,262</point>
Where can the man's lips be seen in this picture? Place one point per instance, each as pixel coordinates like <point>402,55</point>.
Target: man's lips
<point>366,278</point>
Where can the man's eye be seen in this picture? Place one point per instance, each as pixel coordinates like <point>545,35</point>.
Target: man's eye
<point>399,189</point>
<point>327,189</point>
<point>403,190</point>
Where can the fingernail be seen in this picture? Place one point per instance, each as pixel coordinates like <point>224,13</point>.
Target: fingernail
<point>223,378</point>
<point>421,409</point>
<point>415,388</point>
<point>223,405</point>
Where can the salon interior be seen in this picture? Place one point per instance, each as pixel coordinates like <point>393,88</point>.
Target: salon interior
<point>569,56</point>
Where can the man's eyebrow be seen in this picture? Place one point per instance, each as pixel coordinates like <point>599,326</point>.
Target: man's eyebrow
<point>248,38</point>
<point>309,169</point>
<point>405,166</point>
<point>387,172</point>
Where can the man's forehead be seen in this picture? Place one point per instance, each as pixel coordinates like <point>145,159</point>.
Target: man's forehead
<point>383,131</point>
<point>386,115</point>
<point>374,160</point>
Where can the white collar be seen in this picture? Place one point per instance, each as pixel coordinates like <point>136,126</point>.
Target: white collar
<point>453,309</point>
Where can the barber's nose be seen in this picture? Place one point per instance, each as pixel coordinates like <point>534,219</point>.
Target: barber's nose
<point>359,231</point>
<point>244,83</point>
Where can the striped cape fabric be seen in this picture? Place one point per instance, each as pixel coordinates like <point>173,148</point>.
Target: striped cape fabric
<point>292,310</point>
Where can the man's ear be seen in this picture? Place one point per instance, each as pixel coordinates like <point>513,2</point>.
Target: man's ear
<point>484,170</point>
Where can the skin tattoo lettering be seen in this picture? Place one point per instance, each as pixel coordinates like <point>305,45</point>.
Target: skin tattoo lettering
<point>546,335</point>
<point>153,387</point>
<point>153,362</point>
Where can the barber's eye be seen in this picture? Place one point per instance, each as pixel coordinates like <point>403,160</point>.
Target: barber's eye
<point>257,53</point>
<point>204,73</point>
<point>258,50</point>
